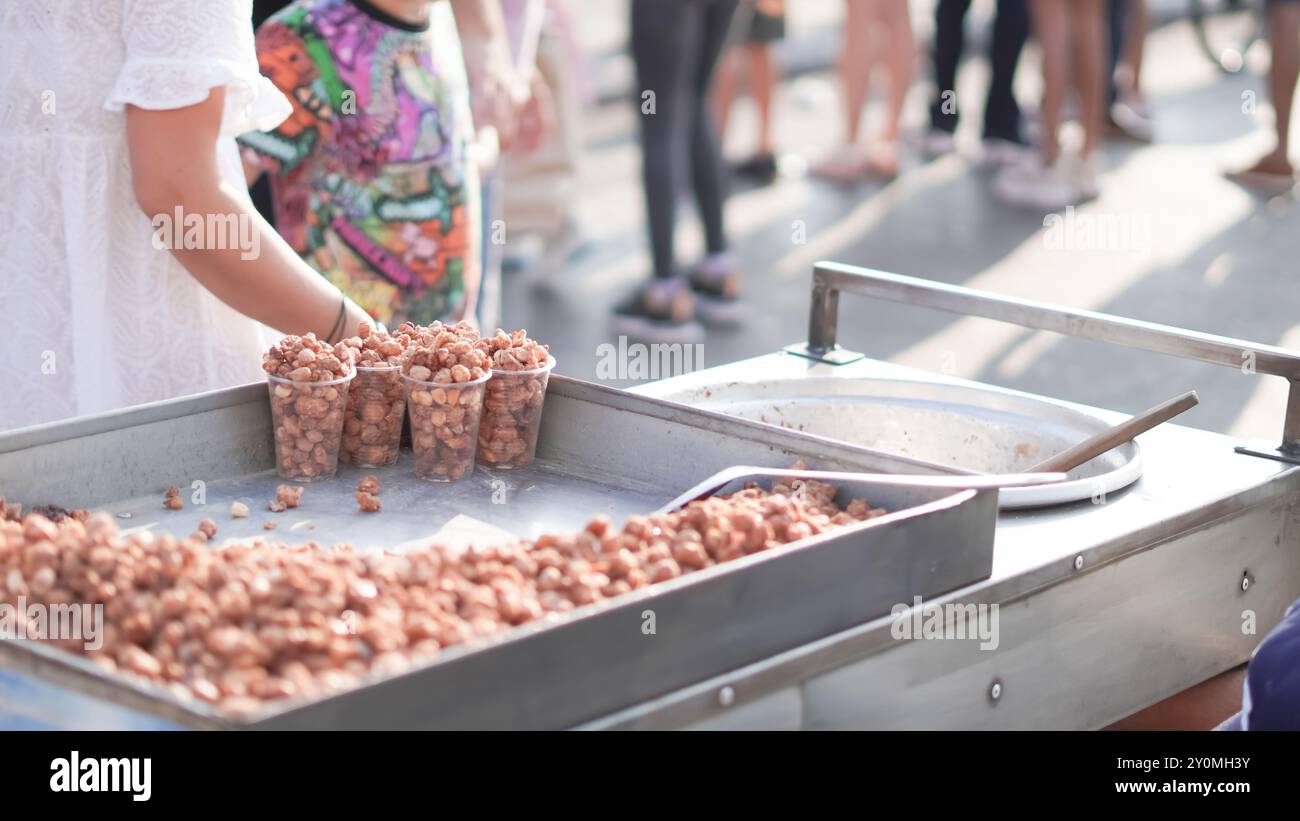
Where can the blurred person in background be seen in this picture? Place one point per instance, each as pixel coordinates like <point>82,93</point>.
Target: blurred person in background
<point>528,114</point>
<point>875,31</point>
<point>117,127</point>
<point>260,190</point>
<point>374,176</point>
<point>541,185</point>
<point>1273,172</point>
<point>1071,37</point>
<point>1003,139</point>
<point>1128,114</point>
<point>676,45</point>
<point>759,24</point>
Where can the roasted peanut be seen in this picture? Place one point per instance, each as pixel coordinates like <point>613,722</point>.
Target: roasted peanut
<point>288,495</point>
<point>368,502</point>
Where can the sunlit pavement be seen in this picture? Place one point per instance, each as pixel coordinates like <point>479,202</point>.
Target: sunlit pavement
<point>1178,244</point>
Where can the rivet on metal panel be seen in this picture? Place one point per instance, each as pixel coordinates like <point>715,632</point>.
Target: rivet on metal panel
<point>995,691</point>
<point>1246,580</point>
<point>726,696</point>
<point>1078,562</point>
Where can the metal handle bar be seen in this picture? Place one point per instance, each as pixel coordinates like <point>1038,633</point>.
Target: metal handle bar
<point>830,278</point>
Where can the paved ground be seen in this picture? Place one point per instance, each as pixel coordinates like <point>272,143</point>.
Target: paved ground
<point>1185,247</point>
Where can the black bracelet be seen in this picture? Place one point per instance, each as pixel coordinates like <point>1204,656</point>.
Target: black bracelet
<point>338,321</point>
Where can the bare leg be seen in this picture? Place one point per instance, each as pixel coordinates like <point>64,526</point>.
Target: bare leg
<point>1284,40</point>
<point>726,88</point>
<point>1089,49</point>
<point>1051,28</point>
<point>846,164</point>
<point>762,82</point>
<point>855,64</point>
<point>894,41</point>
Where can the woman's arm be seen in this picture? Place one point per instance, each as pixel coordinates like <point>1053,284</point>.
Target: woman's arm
<point>499,90</point>
<point>174,166</point>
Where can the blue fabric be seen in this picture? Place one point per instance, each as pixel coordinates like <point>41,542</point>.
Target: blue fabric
<point>1271,700</point>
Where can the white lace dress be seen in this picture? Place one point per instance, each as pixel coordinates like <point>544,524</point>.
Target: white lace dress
<point>93,316</point>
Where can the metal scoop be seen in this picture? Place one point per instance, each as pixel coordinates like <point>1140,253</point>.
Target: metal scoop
<point>734,478</point>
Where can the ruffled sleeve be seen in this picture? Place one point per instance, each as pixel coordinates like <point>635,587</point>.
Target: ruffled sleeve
<point>177,51</point>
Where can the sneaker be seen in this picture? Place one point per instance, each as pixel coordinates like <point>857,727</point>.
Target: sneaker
<point>1271,175</point>
<point>846,164</point>
<point>1086,174</point>
<point>1127,123</point>
<point>938,142</point>
<point>716,287</point>
<point>661,311</point>
<point>995,151</point>
<point>1034,185</point>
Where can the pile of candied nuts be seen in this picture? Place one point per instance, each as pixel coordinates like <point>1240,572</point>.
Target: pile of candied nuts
<point>308,418</point>
<point>512,406</point>
<point>444,415</point>
<point>248,623</point>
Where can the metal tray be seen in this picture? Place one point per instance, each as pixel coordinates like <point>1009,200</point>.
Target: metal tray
<point>601,451</point>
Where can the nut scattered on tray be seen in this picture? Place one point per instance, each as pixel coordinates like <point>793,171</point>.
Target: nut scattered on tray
<point>247,623</point>
<point>512,405</point>
<point>372,432</point>
<point>308,417</point>
<point>238,510</point>
<point>447,365</point>
<point>13,512</point>
<point>10,511</point>
<point>172,499</point>
<point>368,502</point>
<point>288,495</point>
<point>208,528</point>
<point>367,494</point>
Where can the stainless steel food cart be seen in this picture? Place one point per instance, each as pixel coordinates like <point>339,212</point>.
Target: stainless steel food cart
<point>1175,560</point>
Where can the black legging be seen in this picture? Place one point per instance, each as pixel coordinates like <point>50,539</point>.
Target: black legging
<point>1010,30</point>
<point>676,44</point>
<point>1117,22</point>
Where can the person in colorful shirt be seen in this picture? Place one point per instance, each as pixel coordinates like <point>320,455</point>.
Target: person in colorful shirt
<point>371,176</point>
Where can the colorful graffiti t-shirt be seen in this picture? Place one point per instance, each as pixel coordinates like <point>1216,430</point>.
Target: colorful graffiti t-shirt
<point>369,175</point>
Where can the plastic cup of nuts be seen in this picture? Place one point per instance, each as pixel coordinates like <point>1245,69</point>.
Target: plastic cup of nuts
<point>444,426</point>
<point>372,431</point>
<point>308,384</point>
<point>308,422</point>
<point>512,415</point>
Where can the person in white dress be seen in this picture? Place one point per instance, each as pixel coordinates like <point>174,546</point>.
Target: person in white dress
<point>133,267</point>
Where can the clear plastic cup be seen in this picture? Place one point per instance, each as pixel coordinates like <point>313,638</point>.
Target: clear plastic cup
<point>372,430</point>
<point>308,422</point>
<point>512,415</point>
<point>444,426</point>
